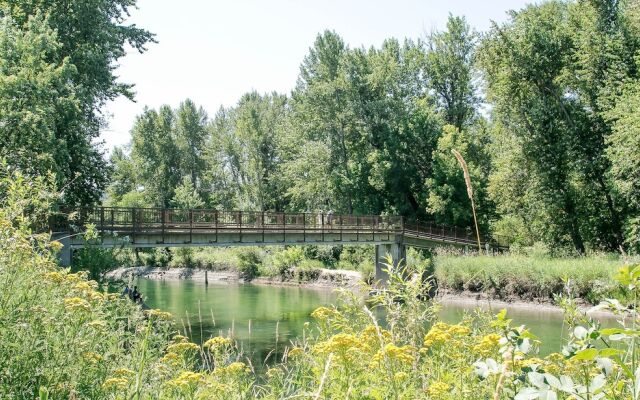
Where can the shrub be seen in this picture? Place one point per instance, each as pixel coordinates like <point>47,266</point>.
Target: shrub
<point>249,261</point>
<point>309,270</point>
<point>288,259</point>
<point>96,261</point>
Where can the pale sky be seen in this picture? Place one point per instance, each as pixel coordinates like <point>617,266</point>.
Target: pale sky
<point>214,51</point>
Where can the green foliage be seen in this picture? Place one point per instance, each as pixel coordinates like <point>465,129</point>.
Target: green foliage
<point>95,261</point>
<point>553,73</point>
<point>624,146</point>
<point>450,72</point>
<point>186,195</point>
<point>288,259</point>
<point>249,261</point>
<point>77,337</point>
<point>58,71</point>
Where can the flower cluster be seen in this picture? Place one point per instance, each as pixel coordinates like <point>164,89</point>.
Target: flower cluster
<point>77,304</point>
<point>488,344</point>
<point>217,343</point>
<point>442,333</point>
<point>186,380</point>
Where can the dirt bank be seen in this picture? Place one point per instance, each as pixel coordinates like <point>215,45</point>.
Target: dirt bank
<point>321,278</point>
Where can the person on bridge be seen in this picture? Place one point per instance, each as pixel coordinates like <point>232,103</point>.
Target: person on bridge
<point>329,216</point>
<point>126,292</point>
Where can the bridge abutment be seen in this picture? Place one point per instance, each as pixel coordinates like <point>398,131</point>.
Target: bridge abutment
<point>398,253</point>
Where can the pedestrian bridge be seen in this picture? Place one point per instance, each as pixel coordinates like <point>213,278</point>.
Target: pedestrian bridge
<point>157,227</point>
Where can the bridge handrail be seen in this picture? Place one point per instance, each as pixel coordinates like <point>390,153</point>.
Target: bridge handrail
<point>139,219</point>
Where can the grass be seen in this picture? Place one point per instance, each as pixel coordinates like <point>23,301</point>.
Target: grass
<point>530,278</point>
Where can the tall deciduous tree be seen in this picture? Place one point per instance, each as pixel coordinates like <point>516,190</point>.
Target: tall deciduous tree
<point>450,71</point>
<point>90,37</point>
<point>246,140</point>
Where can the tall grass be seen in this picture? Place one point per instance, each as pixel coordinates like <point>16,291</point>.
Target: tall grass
<point>525,277</point>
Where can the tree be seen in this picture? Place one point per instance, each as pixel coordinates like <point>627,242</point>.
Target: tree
<point>123,178</point>
<point>623,149</point>
<point>450,71</point>
<point>155,154</point>
<point>36,95</point>
<point>320,110</point>
<point>553,72</point>
<point>448,198</point>
<point>523,60</point>
<point>191,135</point>
<point>246,140</point>
<point>187,196</point>
<point>90,37</point>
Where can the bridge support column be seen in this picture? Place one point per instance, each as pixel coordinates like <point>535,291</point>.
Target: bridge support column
<point>65,254</point>
<point>398,253</point>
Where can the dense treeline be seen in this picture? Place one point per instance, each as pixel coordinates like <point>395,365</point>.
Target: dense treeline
<point>542,108</point>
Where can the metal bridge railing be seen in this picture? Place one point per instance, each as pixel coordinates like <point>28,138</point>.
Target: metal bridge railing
<point>171,220</point>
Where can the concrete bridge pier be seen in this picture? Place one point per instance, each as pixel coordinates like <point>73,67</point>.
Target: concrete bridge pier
<point>398,253</point>
<point>65,254</point>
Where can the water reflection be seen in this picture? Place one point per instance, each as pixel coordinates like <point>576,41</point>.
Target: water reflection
<point>265,319</point>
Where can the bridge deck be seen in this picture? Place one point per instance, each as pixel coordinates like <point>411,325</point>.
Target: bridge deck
<point>146,227</point>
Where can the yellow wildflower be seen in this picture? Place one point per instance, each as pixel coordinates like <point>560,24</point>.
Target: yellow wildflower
<point>232,369</point>
<point>159,314</point>
<point>402,354</point>
<point>322,313</point>
<point>183,347</point>
<point>217,343</point>
<point>76,303</point>
<point>54,276</point>
<point>488,344</point>
<point>344,346</point>
<point>180,339</point>
<point>115,384</point>
<point>92,357</point>
<point>85,286</point>
<point>170,358</point>
<point>371,333</point>
<point>186,379</point>
<point>438,389</point>
<point>123,372</point>
<point>295,352</point>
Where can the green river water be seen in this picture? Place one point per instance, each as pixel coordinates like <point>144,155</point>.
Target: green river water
<point>265,319</point>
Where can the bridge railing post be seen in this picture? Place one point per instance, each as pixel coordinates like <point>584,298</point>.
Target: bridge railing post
<point>190,226</point>
<point>163,217</point>
<point>133,225</point>
<point>101,220</point>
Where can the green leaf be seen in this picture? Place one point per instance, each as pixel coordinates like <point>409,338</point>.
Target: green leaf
<point>586,355</point>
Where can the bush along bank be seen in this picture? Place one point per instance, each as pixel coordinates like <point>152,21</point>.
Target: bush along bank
<point>512,277</point>
<point>293,263</point>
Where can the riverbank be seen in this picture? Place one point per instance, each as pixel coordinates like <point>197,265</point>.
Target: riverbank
<point>321,277</point>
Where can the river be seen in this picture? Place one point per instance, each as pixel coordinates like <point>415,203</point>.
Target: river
<point>265,319</point>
